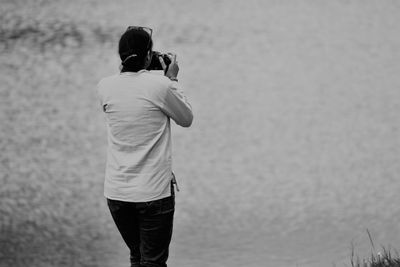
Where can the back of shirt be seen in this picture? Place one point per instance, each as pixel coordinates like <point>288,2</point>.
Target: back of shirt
<point>138,107</point>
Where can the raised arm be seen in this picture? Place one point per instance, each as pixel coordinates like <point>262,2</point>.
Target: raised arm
<point>175,103</point>
<point>176,106</point>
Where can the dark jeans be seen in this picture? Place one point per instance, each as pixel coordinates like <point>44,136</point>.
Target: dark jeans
<point>146,228</point>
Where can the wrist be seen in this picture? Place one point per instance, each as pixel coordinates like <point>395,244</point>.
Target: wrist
<point>175,79</point>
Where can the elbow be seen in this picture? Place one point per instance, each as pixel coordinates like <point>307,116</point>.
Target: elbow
<point>187,121</point>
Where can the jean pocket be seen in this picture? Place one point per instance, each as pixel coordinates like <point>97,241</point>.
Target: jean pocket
<point>114,205</point>
<point>160,206</point>
<point>168,205</point>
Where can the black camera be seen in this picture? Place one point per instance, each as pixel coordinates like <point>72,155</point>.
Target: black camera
<point>155,61</point>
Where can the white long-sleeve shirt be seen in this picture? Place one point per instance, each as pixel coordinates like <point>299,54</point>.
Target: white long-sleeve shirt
<point>138,107</point>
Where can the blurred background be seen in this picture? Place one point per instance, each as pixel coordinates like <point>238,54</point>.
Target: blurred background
<point>293,154</point>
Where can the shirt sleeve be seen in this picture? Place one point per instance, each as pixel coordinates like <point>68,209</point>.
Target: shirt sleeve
<point>176,106</point>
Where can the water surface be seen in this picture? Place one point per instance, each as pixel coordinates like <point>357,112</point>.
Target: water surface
<point>294,151</point>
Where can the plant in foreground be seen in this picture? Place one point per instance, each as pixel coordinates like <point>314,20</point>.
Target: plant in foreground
<point>382,258</point>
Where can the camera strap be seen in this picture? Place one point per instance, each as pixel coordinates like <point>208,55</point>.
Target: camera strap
<point>174,182</point>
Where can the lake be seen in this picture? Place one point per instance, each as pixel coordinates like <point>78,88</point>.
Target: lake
<point>295,147</point>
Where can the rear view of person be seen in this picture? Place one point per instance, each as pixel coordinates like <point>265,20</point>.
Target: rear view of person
<point>139,183</point>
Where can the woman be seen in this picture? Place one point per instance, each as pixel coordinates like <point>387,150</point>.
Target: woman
<point>138,105</point>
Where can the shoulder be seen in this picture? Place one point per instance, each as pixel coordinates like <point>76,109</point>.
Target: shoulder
<point>158,78</point>
<point>159,83</point>
<point>107,80</point>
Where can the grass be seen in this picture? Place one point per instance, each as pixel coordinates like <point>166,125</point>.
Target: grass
<point>383,258</point>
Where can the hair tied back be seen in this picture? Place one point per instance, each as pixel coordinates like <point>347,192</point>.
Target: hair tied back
<point>129,57</point>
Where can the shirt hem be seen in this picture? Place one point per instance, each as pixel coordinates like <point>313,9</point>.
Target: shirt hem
<point>129,199</point>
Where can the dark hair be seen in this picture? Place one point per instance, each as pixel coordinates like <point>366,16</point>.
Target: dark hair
<point>134,43</point>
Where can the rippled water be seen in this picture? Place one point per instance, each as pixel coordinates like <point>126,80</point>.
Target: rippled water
<point>295,147</point>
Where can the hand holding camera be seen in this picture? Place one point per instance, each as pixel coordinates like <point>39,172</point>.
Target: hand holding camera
<point>171,70</point>
<point>166,62</point>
